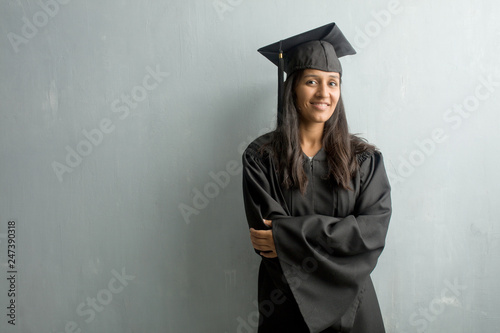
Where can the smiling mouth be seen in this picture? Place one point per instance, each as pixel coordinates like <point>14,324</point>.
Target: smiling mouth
<point>321,105</point>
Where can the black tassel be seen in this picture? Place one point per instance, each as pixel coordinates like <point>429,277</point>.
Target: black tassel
<point>280,86</point>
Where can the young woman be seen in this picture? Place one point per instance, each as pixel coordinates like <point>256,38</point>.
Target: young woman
<point>317,199</point>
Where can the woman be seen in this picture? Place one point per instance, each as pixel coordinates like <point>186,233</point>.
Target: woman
<point>317,199</point>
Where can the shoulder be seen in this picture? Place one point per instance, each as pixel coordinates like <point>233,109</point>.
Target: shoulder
<point>368,155</point>
<point>257,157</point>
<point>371,166</point>
<point>260,147</point>
<point>364,150</point>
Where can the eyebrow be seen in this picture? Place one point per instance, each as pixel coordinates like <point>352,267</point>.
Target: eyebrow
<point>335,76</point>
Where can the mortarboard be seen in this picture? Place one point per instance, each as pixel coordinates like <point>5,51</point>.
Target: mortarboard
<point>319,49</point>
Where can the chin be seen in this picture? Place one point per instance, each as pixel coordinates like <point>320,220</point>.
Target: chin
<point>325,118</point>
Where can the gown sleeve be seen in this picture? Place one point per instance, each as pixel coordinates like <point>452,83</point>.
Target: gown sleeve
<point>325,259</point>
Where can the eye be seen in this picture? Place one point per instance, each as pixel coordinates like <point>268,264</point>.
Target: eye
<point>333,83</point>
<point>311,82</point>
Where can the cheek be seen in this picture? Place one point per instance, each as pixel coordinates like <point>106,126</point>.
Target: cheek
<point>300,100</point>
<point>336,97</point>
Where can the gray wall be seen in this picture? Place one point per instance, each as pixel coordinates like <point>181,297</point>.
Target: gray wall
<point>116,115</point>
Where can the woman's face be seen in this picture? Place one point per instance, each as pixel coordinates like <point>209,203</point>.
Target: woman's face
<point>317,94</point>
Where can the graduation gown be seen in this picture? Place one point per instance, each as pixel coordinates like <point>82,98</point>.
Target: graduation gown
<point>328,242</point>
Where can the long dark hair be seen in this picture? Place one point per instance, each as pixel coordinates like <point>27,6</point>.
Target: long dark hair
<point>340,146</point>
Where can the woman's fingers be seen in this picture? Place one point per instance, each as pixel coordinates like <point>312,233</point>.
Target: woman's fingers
<point>261,234</point>
<point>262,240</point>
<point>269,254</point>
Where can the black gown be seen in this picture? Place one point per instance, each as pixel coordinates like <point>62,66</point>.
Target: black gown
<point>328,242</point>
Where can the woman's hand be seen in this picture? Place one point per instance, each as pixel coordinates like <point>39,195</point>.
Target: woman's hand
<point>262,240</point>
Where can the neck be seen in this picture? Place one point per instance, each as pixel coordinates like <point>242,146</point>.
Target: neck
<point>311,138</point>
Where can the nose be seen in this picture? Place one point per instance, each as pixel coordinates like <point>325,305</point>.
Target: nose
<point>322,90</point>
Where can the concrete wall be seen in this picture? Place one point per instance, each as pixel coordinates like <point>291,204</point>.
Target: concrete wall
<point>121,129</point>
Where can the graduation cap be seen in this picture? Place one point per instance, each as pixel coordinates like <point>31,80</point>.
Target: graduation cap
<point>319,48</point>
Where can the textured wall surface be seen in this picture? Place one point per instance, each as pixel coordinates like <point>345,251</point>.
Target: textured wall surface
<point>121,129</point>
